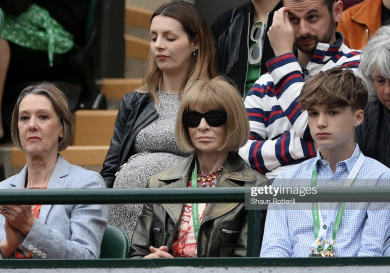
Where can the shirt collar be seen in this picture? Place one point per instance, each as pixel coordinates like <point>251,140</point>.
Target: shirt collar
<point>348,163</point>
<point>327,50</point>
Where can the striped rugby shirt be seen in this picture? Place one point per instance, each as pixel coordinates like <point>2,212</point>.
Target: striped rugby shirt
<point>279,131</point>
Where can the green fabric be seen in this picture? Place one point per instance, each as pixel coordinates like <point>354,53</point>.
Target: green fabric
<point>253,70</point>
<point>195,213</point>
<point>35,29</point>
<point>252,76</point>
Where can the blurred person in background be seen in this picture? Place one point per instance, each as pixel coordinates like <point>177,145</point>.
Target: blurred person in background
<point>243,47</point>
<point>373,134</point>
<point>143,144</point>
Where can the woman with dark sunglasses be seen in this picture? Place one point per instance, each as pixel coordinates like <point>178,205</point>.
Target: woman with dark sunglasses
<point>143,144</point>
<point>212,123</point>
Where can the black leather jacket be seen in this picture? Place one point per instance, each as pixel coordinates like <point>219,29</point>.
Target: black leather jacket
<point>223,232</point>
<point>373,134</point>
<point>135,112</point>
<point>232,50</point>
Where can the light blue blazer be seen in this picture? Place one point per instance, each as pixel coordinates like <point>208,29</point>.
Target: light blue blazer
<point>64,231</point>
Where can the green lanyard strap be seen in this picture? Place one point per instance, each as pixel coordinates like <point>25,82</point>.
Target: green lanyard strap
<point>195,214</point>
<point>340,211</point>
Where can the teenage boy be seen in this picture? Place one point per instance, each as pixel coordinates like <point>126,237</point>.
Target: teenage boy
<point>334,101</point>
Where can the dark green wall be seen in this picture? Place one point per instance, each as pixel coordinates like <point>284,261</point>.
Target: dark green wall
<point>111,43</point>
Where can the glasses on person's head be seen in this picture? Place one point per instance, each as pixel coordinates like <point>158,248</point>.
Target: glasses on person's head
<point>256,51</point>
<point>213,118</point>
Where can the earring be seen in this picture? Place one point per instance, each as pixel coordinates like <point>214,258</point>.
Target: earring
<point>194,53</point>
<point>61,136</point>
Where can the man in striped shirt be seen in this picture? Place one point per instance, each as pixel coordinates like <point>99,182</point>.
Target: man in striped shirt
<point>304,38</point>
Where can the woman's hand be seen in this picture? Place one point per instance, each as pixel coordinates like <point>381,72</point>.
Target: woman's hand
<point>19,216</point>
<point>13,239</point>
<point>161,252</point>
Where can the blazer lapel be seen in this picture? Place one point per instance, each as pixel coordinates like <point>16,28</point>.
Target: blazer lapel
<point>215,210</point>
<point>175,210</point>
<point>235,171</point>
<point>178,178</point>
<point>20,179</point>
<point>57,180</point>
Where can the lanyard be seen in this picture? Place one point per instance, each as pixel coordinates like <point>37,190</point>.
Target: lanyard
<point>195,214</point>
<point>321,227</point>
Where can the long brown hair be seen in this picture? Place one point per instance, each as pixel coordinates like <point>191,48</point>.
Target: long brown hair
<point>202,64</point>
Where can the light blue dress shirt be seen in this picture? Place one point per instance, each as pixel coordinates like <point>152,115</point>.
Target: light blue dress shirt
<point>364,229</point>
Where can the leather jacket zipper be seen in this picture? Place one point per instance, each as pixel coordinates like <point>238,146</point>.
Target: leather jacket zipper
<point>247,46</point>
<point>229,231</point>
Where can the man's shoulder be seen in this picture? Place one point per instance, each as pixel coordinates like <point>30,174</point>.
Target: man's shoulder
<point>266,78</point>
<point>299,170</point>
<point>352,52</point>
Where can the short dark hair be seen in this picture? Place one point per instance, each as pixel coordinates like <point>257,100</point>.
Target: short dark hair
<point>60,105</point>
<point>335,87</point>
<point>329,4</point>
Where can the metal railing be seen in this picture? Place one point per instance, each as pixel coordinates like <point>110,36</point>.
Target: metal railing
<point>185,195</point>
<point>189,195</point>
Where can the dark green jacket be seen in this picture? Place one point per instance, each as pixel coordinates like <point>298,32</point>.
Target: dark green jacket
<point>223,231</point>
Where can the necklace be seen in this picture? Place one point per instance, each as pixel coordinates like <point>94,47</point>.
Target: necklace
<point>208,179</point>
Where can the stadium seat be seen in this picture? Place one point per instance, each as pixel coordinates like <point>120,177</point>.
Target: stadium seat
<point>115,243</point>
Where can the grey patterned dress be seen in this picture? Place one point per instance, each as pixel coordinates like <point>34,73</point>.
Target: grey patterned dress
<point>155,150</point>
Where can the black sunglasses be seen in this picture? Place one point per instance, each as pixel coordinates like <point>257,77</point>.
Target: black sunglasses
<point>214,118</point>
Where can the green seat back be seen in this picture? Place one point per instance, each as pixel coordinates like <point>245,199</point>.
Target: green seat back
<point>115,243</point>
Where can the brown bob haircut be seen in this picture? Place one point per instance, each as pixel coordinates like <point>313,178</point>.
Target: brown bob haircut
<point>202,64</point>
<point>215,94</point>
<point>60,105</point>
<point>335,87</point>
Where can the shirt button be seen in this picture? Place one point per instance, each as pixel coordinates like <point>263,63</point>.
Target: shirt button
<point>39,253</point>
<point>44,255</point>
<point>324,162</point>
<point>34,250</point>
<point>30,247</point>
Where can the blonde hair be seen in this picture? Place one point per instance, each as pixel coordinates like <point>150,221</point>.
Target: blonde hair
<point>215,94</point>
<point>201,65</point>
<point>60,105</point>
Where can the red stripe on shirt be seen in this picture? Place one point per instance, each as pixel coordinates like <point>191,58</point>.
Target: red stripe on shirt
<point>294,111</point>
<point>286,81</point>
<point>282,147</point>
<point>280,59</point>
<point>255,157</point>
<point>311,149</point>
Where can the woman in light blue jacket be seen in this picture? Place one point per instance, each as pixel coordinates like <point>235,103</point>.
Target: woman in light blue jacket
<point>42,125</point>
